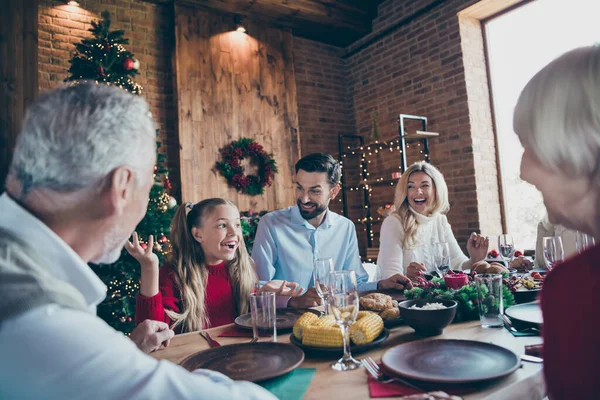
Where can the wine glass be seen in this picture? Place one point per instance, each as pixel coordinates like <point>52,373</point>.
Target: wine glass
<point>441,258</point>
<point>323,267</point>
<point>343,305</point>
<point>506,246</point>
<point>553,251</point>
<point>583,241</point>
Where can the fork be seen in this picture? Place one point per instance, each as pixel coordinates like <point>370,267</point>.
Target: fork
<point>211,342</point>
<point>509,325</point>
<point>376,373</point>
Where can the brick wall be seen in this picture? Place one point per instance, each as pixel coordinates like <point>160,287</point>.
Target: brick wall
<point>149,28</point>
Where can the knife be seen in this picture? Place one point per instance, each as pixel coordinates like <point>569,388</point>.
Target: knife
<point>533,359</point>
<point>211,342</point>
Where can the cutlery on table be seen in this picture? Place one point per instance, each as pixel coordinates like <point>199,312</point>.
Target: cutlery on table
<point>211,342</point>
<point>510,326</point>
<point>376,373</point>
<point>533,359</point>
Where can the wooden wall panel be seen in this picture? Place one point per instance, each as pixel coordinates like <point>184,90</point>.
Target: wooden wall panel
<point>18,72</point>
<point>232,85</point>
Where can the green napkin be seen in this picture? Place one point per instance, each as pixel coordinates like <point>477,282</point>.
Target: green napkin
<point>290,386</point>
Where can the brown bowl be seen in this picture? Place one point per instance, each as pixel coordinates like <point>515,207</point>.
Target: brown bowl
<point>428,322</point>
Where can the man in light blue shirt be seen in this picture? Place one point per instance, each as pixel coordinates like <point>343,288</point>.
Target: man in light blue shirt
<point>288,241</point>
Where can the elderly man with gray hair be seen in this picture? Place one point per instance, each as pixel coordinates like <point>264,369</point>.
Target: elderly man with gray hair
<point>77,187</point>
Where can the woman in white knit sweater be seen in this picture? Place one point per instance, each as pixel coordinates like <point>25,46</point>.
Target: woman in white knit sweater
<point>408,236</point>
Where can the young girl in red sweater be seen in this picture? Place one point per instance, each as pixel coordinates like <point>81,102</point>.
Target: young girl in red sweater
<point>209,278</point>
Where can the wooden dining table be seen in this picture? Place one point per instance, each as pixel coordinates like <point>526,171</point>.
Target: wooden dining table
<point>525,383</point>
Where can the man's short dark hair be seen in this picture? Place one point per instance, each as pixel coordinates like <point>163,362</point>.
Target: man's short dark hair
<point>321,162</point>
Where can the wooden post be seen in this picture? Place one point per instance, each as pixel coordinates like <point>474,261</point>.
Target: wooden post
<point>18,72</point>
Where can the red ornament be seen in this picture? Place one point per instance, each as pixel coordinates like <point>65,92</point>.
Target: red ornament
<point>101,71</point>
<point>163,239</point>
<point>494,254</point>
<point>129,319</point>
<point>143,245</point>
<point>128,64</point>
<point>518,253</point>
<point>107,46</point>
<point>168,185</point>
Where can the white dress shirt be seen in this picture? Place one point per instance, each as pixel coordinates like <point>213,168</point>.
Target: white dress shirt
<point>53,352</point>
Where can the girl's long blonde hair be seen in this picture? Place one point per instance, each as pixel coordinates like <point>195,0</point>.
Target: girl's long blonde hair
<point>191,274</point>
<point>403,211</point>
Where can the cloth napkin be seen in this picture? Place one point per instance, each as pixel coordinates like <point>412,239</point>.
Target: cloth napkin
<point>378,389</point>
<point>290,386</point>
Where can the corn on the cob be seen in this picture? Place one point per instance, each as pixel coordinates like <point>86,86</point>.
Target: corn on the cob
<point>366,328</point>
<point>323,336</point>
<point>305,320</point>
<point>326,321</point>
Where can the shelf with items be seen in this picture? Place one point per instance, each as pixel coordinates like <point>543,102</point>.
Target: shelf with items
<point>363,183</point>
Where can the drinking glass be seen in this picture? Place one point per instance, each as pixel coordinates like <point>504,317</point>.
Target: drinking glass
<point>441,258</point>
<point>506,246</point>
<point>583,241</point>
<point>264,316</point>
<point>343,305</point>
<point>323,267</point>
<point>489,296</point>
<point>554,252</point>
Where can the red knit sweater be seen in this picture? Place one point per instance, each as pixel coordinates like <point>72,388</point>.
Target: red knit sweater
<point>571,309</point>
<point>219,300</point>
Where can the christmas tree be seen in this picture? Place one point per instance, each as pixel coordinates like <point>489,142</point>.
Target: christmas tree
<point>104,59</point>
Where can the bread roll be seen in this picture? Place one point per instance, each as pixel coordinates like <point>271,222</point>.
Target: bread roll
<point>496,268</point>
<point>480,267</point>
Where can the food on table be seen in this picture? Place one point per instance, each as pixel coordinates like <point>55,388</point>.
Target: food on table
<point>456,280</point>
<point>390,313</point>
<point>321,333</point>
<point>519,284</point>
<point>537,276</point>
<point>482,267</point>
<point>428,306</point>
<point>376,302</point>
<point>305,320</point>
<point>496,268</point>
<point>479,267</point>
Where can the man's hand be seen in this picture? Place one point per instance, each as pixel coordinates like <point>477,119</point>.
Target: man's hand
<point>477,247</point>
<point>308,299</point>
<point>414,270</point>
<point>282,288</point>
<point>398,282</point>
<point>150,335</point>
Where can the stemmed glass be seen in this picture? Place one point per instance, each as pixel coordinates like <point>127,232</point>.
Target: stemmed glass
<point>583,241</point>
<point>323,267</point>
<point>506,246</point>
<point>343,305</point>
<point>441,258</point>
<point>554,252</point>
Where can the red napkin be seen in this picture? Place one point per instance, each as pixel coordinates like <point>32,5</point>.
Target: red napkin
<point>378,389</point>
<point>236,331</point>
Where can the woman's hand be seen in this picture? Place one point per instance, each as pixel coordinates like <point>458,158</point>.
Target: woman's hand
<point>146,258</point>
<point>282,288</point>
<point>521,264</point>
<point>414,270</point>
<point>477,247</point>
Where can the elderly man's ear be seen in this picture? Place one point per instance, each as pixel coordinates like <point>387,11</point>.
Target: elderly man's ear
<point>118,190</point>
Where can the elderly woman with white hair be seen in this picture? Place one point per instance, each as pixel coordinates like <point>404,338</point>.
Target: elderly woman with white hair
<point>557,119</point>
<point>408,237</point>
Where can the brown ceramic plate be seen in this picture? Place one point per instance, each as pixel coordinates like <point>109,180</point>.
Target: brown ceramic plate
<point>339,350</point>
<point>450,361</point>
<point>529,313</point>
<point>286,318</point>
<point>252,362</point>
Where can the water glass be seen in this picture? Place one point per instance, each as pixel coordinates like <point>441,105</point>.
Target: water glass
<point>323,267</point>
<point>554,252</point>
<point>441,258</point>
<point>583,241</point>
<point>343,305</point>
<point>506,246</point>
<point>489,296</point>
<point>264,316</point>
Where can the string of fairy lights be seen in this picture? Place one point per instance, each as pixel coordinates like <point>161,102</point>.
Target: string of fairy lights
<point>366,184</point>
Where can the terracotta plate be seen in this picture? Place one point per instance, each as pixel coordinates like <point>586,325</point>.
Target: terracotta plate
<point>530,313</point>
<point>450,361</point>
<point>286,318</point>
<point>252,362</point>
<point>338,350</point>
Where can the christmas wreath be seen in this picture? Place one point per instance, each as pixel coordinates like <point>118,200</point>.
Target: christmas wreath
<point>231,168</point>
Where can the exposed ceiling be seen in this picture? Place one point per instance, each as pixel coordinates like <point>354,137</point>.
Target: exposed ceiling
<point>337,22</point>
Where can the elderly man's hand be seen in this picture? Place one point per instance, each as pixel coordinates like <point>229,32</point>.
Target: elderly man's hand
<point>398,282</point>
<point>150,335</point>
<point>308,299</point>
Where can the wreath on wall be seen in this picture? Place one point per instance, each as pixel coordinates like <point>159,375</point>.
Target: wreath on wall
<point>231,168</point>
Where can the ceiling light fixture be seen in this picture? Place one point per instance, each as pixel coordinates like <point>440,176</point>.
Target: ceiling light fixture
<point>239,24</point>
<point>73,3</point>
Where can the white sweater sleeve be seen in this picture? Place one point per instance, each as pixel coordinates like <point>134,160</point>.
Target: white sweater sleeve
<point>457,257</point>
<point>391,254</point>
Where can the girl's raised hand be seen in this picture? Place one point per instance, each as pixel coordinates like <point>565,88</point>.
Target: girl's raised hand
<point>145,257</point>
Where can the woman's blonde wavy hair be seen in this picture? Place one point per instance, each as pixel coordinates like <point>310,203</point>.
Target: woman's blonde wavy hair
<point>189,263</point>
<point>405,213</point>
